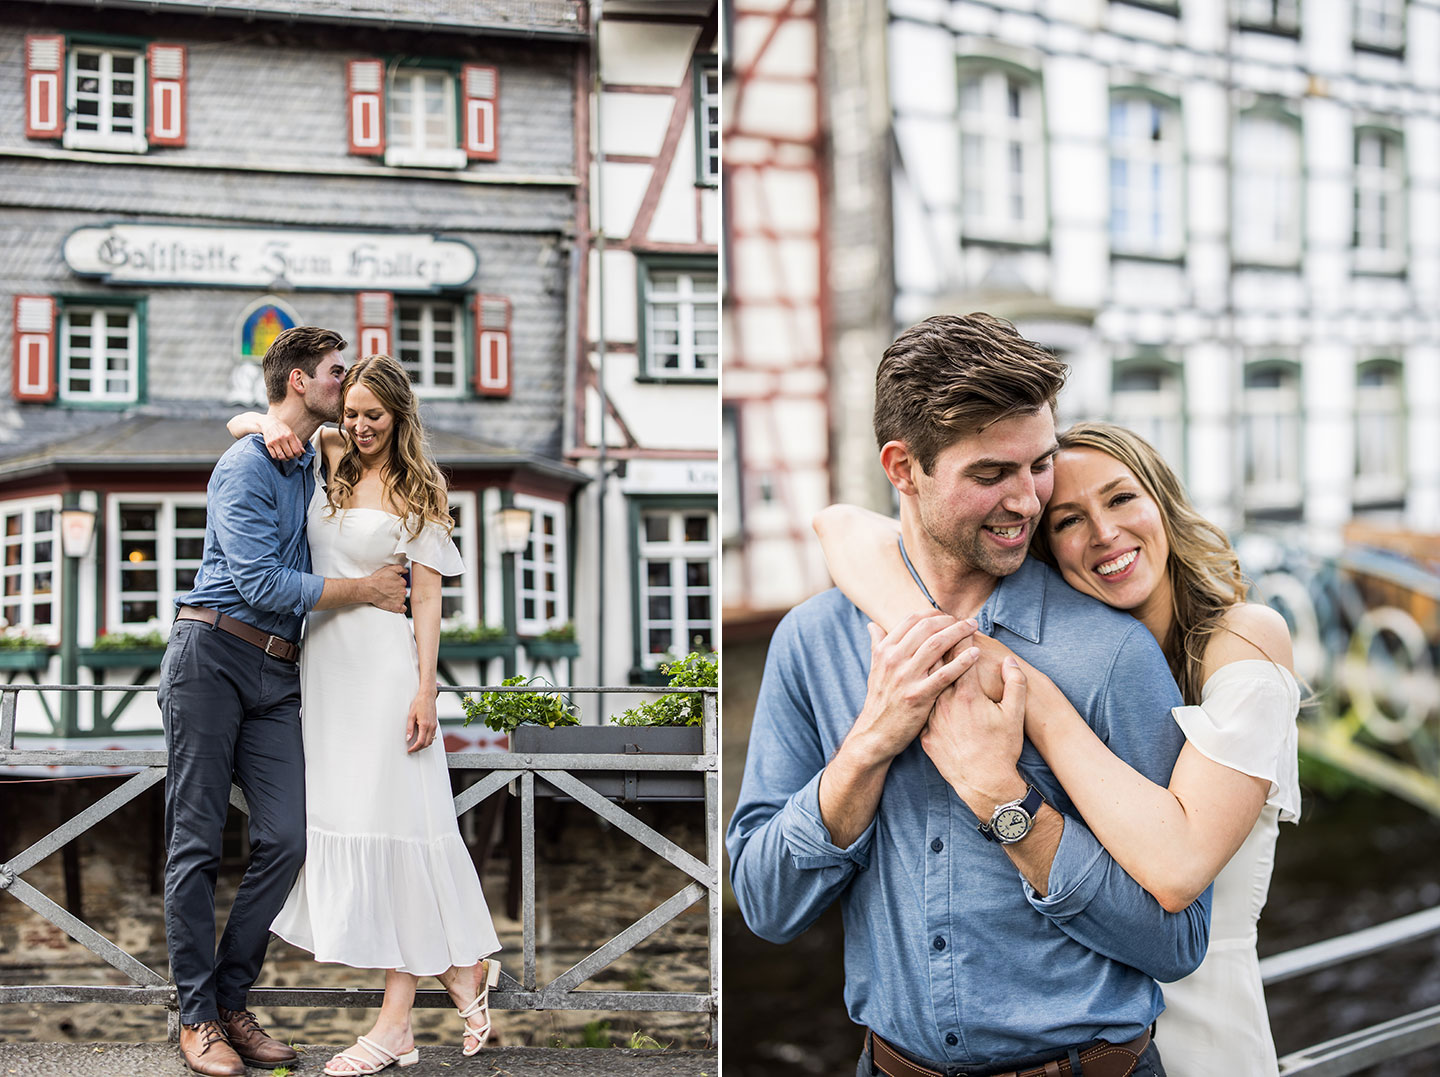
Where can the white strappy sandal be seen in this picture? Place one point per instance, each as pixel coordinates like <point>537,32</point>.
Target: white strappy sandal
<point>480,1008</point>
<point>363,1066</point>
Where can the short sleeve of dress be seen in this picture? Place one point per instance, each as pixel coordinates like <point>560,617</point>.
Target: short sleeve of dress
<point>431,547</point>
<point>1246,721</point>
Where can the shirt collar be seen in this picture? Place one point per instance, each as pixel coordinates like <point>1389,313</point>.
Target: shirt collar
<point>1017,603</point>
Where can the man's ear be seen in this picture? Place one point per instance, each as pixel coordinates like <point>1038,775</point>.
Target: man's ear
<point>296,381</point>
<point>900,467</point>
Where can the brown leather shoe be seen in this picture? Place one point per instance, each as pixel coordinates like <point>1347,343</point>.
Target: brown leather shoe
<point>206,1050</point>
<point>251,1041</point>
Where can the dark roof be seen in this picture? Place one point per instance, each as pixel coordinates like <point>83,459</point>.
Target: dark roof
<point>153,442</point>
<point>522,18</point>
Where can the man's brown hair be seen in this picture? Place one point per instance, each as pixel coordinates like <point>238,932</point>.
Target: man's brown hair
<point>303,347</point>
<point>952,375</point>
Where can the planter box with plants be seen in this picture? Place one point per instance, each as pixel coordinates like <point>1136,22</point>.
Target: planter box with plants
<point>547,723</point>
<point>460,642</point>
<point>134,650</point>
<point>558,642</point>
<point>20,650</point>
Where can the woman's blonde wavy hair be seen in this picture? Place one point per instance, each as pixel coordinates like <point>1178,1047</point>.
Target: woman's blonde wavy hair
<point>1205,577</point>
<point>415,485</point>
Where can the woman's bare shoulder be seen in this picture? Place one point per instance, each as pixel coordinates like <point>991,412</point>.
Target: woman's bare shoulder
<point>1249,630</point>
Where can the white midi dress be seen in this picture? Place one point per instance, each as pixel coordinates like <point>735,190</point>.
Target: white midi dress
<point>1215,1020</point>
<point>388,882</point>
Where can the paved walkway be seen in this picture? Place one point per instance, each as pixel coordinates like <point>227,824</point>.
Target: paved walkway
<point>163,1060</point>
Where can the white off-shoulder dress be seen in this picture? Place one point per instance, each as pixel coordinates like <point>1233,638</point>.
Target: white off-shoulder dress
<point>1215,1020</point>
<point>388,882</point>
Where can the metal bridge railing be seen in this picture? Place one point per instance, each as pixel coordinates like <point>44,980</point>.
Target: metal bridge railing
<point>149,987</point>
<point>1361,1050</point>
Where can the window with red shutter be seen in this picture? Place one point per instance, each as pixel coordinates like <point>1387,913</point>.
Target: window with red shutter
<point>44,94</point>
<point>34,364</point>
<point>492,345</point>
<point>167,95</point>
<point>372,316</point>
<point>482,119</point>
<point>366,79</point>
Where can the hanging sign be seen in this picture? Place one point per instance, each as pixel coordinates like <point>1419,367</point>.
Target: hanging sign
<point>269,258</point>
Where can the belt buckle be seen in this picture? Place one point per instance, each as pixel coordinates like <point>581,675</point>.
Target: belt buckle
<point>270,641</point>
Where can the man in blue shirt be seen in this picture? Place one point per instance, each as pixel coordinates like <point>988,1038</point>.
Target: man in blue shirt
<point>229,696</point>
<point>986,929</point>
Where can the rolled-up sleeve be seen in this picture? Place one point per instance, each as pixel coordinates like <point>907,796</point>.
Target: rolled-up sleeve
<point>783,867</point>
<point>247,524</point>
<point>1090,897</point>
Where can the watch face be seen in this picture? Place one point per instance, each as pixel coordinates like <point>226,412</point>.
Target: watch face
<point>1011,824</point>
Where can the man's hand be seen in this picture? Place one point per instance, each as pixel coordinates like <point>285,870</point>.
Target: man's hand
<point>909,668</point>
<point>385,588</point>
<point>280,441</point>
<point>975,742</point>
<point>421,722</point>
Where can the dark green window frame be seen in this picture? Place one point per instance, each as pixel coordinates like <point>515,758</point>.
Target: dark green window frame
<point>706,66</point>
<point>638,505</point>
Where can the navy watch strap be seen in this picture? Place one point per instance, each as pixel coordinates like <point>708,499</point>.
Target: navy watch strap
<point>1030,804</point>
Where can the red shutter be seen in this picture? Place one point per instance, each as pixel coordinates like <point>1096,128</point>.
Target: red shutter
<point>44,92</point>
<point>366,79</point>
<point>372,315</point>
<point>165,124</point>
<point>482,112</point>
<point>492,345</point>
<point>34,368</point>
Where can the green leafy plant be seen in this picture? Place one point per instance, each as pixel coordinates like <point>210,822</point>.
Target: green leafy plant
<point>503,711</point>
<point>464,633</point>
<point>564,633</point>
<point>641,1042</point>
<point>129,641</point>
<point>22,639</point>
<point>695,670</point>
<point>596,1034</point>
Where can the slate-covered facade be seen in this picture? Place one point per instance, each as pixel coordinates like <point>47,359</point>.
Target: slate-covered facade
<point>179,183</point>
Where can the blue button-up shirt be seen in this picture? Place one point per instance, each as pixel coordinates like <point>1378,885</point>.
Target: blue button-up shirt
<point>949,953</point>
<point>256,564</point>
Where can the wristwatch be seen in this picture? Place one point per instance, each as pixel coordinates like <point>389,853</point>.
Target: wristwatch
<point>1012,821</point>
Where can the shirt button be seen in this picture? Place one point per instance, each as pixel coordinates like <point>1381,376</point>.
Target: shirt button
<point>951,1039</point>
<point>937,845</point>
<point>939,942</point>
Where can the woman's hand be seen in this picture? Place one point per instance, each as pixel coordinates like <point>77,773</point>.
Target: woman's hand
<point>280,441</point>
<point>1040,689</point>
<point>422,723</point>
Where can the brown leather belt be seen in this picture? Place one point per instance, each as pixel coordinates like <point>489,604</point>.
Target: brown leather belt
<point>274,646</point>
<point>1102,1060</point>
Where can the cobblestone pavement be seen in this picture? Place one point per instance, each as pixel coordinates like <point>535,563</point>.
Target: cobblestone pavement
<point>163,1060</point>
<point>592,881</point>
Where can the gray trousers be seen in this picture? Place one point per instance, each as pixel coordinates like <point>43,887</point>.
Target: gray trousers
<point>230,711</point>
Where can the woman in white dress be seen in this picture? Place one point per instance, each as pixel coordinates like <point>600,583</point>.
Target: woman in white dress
<point>1120,528</point>
<point>387,881</point>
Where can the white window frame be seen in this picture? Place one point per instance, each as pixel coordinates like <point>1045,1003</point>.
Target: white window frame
<point>70,318</point>
<point>166,562</point>
<point>1380,24</point>
<point>29,567</point>
<point>1380,433</point>
<point>1379,231</point>
<point>991,135</point>
<point>707,122</point>
<point>422,366</point>
<point>467,590</point>
<point>676,552</point>
<point>1145,221</point>
<point>418,151</point>
<point>1156,414</point>
<point>542,619</point>
<point>1273,439</point>
<point>694,362</point>
<point>1267,195</point>
<point>105,138</point>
